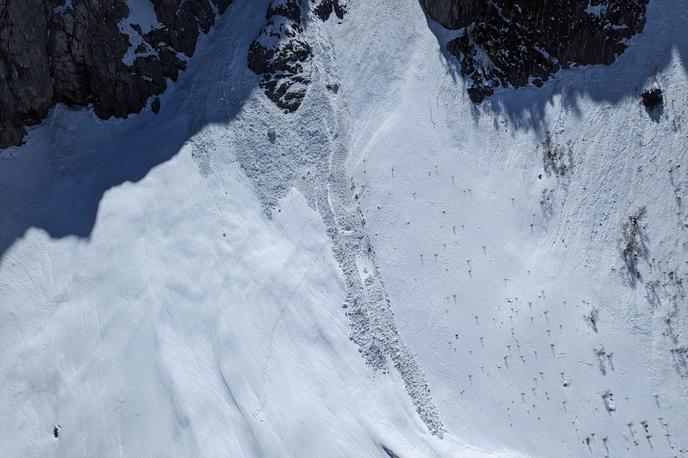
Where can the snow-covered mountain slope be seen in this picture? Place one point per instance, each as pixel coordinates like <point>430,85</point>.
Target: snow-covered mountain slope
<point>389,270</point>
<point>496,258</point>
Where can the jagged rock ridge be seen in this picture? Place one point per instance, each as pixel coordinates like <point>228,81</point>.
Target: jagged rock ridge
<point>87,52</point>
<point>505,44</point>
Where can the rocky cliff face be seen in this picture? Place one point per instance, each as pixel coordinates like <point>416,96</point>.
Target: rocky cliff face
<point>453,14</point>
<point>114,55</point>
<point>110,54</point>
<point>509,44</point>
<point>281,55</point>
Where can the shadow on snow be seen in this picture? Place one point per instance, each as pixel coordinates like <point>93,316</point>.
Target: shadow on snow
<point>56,181</point>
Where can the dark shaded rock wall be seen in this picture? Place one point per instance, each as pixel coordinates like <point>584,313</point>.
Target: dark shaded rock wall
<point>510,44</point>
<point>453,14</point>
<point>73,52</point>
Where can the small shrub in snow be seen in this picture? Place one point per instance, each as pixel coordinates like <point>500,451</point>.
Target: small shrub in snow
<point>557,159</point>
<point>634,244</point>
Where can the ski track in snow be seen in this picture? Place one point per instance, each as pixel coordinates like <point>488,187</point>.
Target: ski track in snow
<point>282,311</point>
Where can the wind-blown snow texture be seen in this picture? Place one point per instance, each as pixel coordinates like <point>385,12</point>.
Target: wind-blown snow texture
<point>387,271</point>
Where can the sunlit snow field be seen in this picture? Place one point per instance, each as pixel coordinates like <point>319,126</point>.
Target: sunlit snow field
<point>169,284</point>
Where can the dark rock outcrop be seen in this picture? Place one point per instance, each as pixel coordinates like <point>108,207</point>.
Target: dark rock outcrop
<point>324,8</point>
<point>509,44</point>
<point>453,14</point>
<point>87,53</point>
<point>652,98</point>
<point>281,55</point>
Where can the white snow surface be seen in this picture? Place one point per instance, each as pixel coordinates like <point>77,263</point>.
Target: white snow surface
<point>201,314</point>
